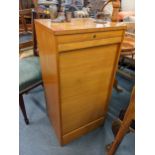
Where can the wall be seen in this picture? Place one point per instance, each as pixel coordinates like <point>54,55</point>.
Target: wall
<point>128,5</point>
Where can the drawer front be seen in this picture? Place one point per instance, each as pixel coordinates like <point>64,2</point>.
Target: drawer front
<point>88,36</point>
<point>87,44</point>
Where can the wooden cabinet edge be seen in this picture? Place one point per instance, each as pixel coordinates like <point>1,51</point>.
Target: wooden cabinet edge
<point>42,26</point>
<point>115,68</point>
<point>82,130</point>
<point>91,30</point>
<point>50,50</point>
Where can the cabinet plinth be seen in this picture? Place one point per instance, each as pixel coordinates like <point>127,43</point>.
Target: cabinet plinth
<point>78,61</point>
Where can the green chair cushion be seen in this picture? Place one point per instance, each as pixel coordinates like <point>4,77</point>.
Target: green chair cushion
<point>29,72</point>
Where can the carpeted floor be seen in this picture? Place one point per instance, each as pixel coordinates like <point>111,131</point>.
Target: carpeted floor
<point>27,53</point>
<point>39,138</point>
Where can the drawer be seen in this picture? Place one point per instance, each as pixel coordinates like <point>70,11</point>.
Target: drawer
<point>87,44</point>
<point>88,36</point>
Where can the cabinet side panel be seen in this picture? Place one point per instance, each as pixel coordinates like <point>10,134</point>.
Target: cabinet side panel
<point>48,60</point>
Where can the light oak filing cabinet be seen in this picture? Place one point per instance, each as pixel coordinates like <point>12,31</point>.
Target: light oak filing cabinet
<point>78,62</point>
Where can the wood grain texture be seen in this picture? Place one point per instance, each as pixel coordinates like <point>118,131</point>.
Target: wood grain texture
<point>84,82</point>
<point>87,44</point>
<point>49,67</point>
<point>79,26</point>
<point>88,36</point>
<point>79,62</point>
<point>82,130</point>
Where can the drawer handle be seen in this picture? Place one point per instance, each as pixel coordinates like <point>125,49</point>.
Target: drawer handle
<point>94,36</point>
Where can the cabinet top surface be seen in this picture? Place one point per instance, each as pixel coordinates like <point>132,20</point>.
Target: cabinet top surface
<point>78,25</point>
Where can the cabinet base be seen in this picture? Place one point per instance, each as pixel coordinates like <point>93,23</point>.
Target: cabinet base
<point>82,131</point>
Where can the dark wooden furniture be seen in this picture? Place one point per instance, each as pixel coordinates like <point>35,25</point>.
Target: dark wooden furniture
<point>25,4</point>
<point>36,14</point>
<point>25,29</point>
<point>124,125</point>
<point>79,62</point>
<point>24,7</point>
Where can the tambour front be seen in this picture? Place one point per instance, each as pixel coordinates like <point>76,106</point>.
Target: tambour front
<point>78,61</point>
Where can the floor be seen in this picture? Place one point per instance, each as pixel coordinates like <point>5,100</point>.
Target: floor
<point>38,138</point>
<point>26,53</point>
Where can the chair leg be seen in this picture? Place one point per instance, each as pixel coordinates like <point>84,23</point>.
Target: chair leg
<point>121,133</point>
<point>124,127</point>
<point>115,85</point>
<point>22,107</point>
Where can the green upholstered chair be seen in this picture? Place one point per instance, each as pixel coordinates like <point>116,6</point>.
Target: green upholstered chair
<point>29,68</point>
<point>29,75</point>
<point>29,78</point>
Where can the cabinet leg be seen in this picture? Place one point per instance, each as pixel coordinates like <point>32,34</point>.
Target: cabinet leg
<point>22,107</point>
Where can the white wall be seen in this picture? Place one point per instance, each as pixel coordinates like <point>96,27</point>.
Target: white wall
<point>128,5</point>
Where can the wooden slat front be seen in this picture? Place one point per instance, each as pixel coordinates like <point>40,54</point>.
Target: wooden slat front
<point>85,78</point>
